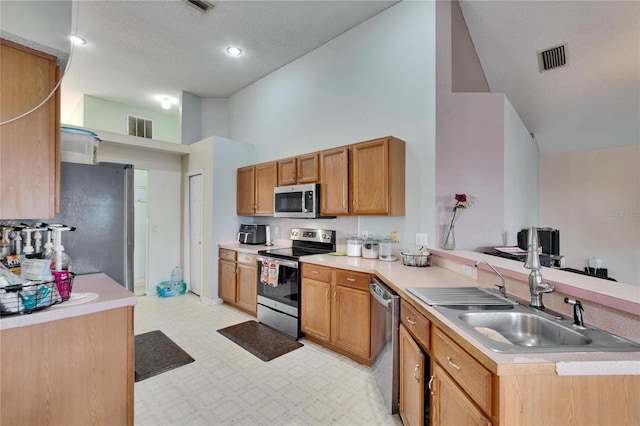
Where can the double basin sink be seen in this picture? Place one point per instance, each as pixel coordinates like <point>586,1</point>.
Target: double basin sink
<point>503,325</point>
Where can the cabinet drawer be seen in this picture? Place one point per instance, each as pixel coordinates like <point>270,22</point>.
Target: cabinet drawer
<point>248,258</point>
<point>315,272</point>
<point>416,323</point>
<point>470,375</point>
<point>353,279</point>
<point>226,254</point>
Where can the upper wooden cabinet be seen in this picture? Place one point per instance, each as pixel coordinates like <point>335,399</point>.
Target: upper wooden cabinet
<point>298,170</point>
<point>334,185</point>
<point>366,178</point>
<point>255,189</point>
<point>29,146</point>
<point>377,182</point>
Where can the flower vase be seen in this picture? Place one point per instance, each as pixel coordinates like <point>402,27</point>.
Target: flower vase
<point>449,239</point>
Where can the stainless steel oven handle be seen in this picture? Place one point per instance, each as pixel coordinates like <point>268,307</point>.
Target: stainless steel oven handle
<point>279,262</point>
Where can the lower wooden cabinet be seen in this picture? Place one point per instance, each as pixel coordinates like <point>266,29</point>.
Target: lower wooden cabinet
<point>247,287</point>
<point>336,310</point>
<point>450,405</point>
<point>72,371</point>
<point>238,280</point>
<point>412,376</point>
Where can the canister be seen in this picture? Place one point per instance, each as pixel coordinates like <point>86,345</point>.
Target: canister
<point>370,248</point>
<point>354,246</point>
<point>386,249</point>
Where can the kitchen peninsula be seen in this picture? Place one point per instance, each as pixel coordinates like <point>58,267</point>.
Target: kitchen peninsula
<point>464,382</point>
<point>71,363</point>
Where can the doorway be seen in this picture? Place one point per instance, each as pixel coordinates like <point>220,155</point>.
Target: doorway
<point>195,188</point>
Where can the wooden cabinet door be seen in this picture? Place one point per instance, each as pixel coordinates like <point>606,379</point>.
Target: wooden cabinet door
<point>316,309</point>
<point>450,405</point>
<point>227,281</point>
<point>287,171</point>
<point>334,183</point>
<point>266,180</point>
<point>247,287</point>
<point>245,191</point>
<point>370,178</point>
<point>412,377</point>
<point>308,168</point>
<point>29,146</point>
<point>351,328</point>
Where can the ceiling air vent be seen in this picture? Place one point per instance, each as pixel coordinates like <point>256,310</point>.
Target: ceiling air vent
<point>201,5</point>
<point>552,58</point>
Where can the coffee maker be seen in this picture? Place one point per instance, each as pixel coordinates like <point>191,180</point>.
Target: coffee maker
<point>252,234</point>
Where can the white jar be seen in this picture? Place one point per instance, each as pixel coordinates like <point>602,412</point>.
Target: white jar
<point>370,248</point>
<point>354,246</point>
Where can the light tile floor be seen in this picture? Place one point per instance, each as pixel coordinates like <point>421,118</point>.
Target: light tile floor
<point>227,385</point>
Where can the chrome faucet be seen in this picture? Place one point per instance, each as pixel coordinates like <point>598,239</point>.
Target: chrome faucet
<point>502,288</point>
<point>537,287</point>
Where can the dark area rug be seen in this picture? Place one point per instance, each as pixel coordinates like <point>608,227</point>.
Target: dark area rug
<point>260,340</point>
<point>156,353</point>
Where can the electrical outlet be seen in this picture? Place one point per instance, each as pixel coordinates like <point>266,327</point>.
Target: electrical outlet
<point>422,240</point>
<point>395,237</point>
<point>466,269</point>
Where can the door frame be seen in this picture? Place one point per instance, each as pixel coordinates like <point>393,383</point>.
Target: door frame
<point>186,230</point>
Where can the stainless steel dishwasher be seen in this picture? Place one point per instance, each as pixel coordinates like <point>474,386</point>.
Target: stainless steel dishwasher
<point>385,323</point>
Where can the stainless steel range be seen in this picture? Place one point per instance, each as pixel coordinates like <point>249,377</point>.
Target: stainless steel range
<point>279,278</point>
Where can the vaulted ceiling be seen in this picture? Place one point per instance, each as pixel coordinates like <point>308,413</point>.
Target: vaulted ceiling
<point>139,50</point>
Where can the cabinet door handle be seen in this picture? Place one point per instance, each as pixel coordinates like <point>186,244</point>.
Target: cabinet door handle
<point>415,370</point>
<point>430,383</point>
<point>453,364</point>
<point>351,279</point>
<point>314,272</point>
<point>326,294</point>
<point>335,296</point>
<point>410,322</point>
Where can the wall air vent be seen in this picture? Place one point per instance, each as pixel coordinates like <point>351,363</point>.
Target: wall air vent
<point>552,58</point>
<point>200,5</point>
<point>138,126</point>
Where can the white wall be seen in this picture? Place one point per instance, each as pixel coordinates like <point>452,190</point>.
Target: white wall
<point>215,117</point>
<point>218,158</point>
<point>375,80</point>
<point>576,197</point>
<point>520,176</point>
<point>163,204</point>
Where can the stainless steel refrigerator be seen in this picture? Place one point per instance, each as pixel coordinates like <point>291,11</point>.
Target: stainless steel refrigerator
<point>98,201</point>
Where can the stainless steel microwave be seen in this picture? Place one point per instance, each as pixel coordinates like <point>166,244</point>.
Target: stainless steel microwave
<point>297,201</point>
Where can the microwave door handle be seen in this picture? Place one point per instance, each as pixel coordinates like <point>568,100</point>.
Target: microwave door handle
<point>307,202</point>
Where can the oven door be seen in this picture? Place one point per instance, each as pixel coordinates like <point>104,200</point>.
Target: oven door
<point>278,280</point>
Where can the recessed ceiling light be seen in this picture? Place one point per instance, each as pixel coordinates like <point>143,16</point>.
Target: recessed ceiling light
<point>233,51</point>
<point>78,41</point>
<point>165,103</point>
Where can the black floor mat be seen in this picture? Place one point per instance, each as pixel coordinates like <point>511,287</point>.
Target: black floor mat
<point>260,340</point>
<point>156,353</point>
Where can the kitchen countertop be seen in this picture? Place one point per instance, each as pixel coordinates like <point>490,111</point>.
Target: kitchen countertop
<point>231,244</point>
<point>401,277</point>
<point>111,295</point>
